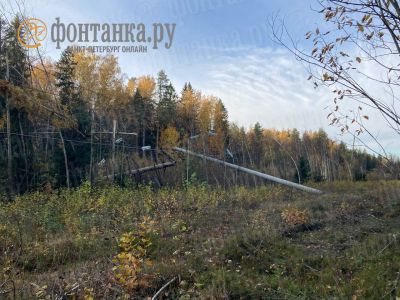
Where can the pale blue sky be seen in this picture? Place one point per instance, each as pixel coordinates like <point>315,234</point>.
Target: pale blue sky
<point>224,48</point>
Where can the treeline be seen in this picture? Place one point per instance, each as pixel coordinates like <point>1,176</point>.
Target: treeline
<point>57,121</point>
<point>308,156</point>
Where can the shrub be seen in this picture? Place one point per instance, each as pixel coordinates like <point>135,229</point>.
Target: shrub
<point>133,258</point>
<point>294,216</point>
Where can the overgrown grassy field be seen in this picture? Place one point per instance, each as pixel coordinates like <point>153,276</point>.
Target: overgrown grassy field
<point>261,243</point>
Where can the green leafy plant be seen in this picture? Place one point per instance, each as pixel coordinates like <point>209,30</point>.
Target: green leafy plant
<point>133,258</point>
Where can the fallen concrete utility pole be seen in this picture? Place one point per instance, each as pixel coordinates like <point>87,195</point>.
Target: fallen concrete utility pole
<point>252,172</point>
<point>146,169</point>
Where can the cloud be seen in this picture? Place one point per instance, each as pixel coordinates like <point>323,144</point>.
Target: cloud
<point>271,87</point>
<point>268,86</point>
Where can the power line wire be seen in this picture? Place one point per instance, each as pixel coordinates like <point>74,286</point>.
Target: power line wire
<point>76,141</point>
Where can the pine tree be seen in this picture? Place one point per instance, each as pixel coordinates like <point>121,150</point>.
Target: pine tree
<point>304,170</point>
<point>16,54</point>
<point>77,157</point>
<point>65,77</point>
<point>257,143</point>
<point>187,87</point>
<point>14,68</point>
<point>162,82</point>
<point>166,106</point>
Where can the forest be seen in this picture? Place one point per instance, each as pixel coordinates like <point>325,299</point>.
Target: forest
<point>98,202</point>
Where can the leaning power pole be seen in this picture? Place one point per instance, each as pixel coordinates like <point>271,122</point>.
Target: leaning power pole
<point>251,172</point>
<point>114,133</point>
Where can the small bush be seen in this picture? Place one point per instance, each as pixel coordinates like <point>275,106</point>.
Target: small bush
<point>133,258</point>
<point>293,216</point>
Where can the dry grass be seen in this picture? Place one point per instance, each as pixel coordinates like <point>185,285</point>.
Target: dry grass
<point>241,243</point>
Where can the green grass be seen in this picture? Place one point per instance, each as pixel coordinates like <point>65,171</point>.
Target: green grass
<point>231,244</point>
